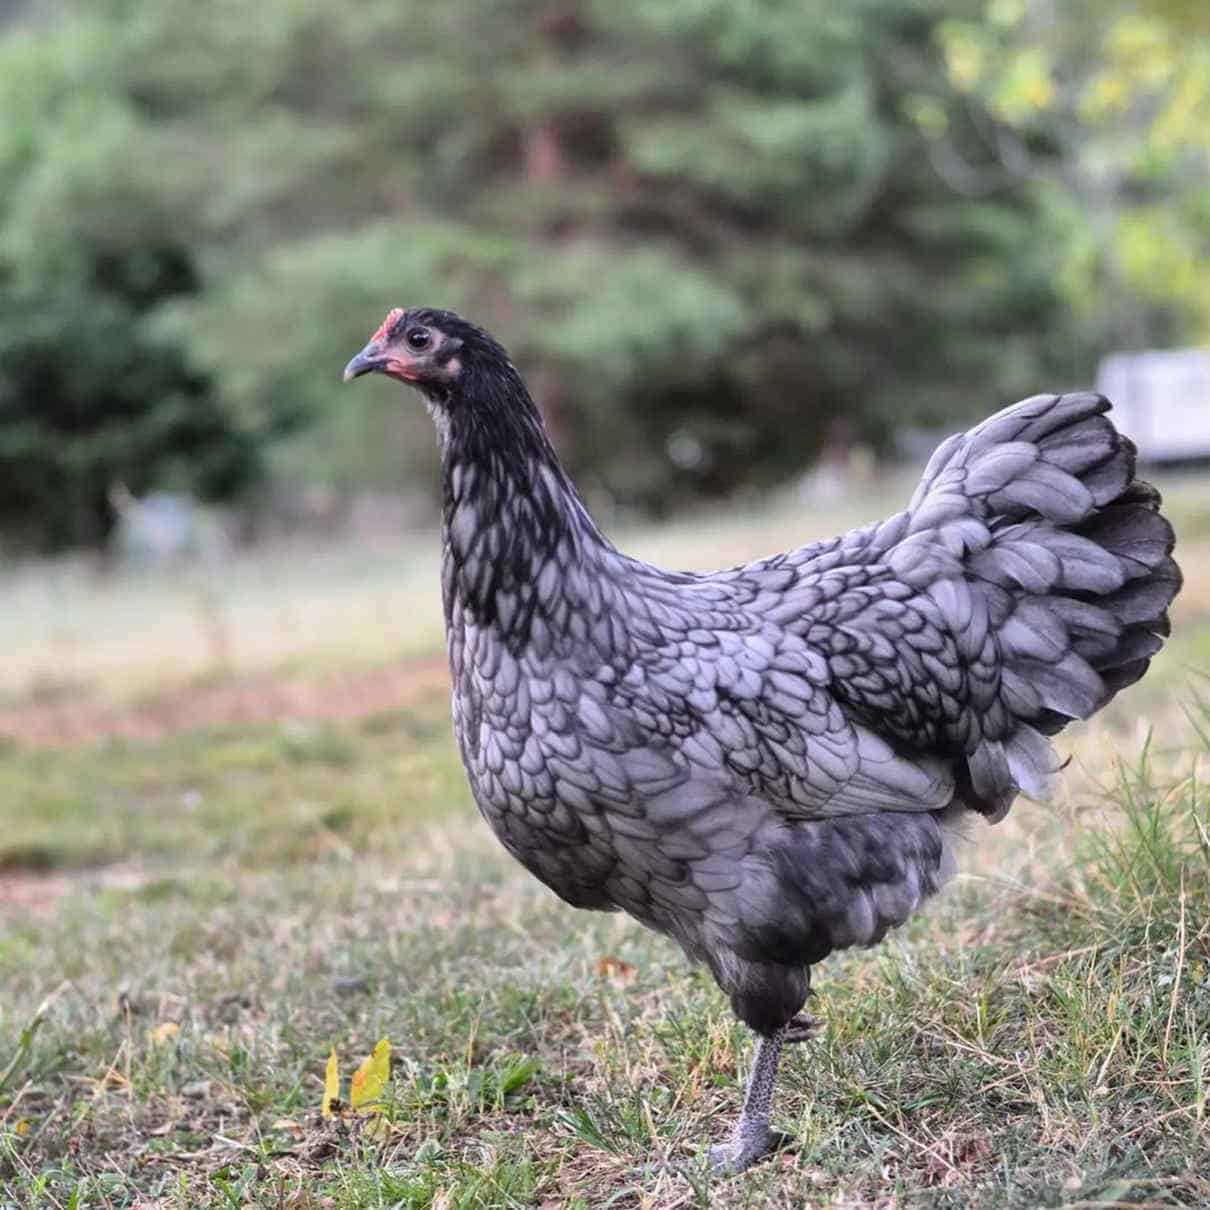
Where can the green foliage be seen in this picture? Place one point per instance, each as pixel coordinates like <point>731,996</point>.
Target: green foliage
<point>88,399</point>
<point>1107,110</point>
<point>90,244</point>
<point>747,230</point>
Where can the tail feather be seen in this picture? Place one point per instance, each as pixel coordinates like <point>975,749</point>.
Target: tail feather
<point>1136,534</point>
<point>1075,566</point>
<point>1032,762</point>
<point>1080,446</point>
<point>1094,632</point>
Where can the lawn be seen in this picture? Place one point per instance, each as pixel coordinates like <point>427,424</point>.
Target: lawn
<point>234,835</point>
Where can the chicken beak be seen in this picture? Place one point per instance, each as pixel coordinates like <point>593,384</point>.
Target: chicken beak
<point>366,362</point>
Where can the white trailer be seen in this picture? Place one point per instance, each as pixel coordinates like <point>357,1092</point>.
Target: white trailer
<point>1161,401</point>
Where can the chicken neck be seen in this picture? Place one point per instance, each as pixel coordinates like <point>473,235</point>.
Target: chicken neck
<point>515,529</point>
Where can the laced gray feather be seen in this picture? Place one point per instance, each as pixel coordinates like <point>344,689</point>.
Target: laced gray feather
<point>766,762</point>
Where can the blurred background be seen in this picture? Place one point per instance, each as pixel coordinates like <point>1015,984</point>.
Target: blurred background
<point>737,248</point>
<point>754,257</point>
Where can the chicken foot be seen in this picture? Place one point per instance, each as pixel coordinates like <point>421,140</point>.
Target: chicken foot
<point>801,1027</point>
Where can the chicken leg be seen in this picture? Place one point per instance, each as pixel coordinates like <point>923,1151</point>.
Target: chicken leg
<point>752,1139</point>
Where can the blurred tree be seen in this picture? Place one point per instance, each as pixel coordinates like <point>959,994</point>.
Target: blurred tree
<point>88,399</point>
<point>90,393</point>
<point>703,227</point>
<point>1105,106</point>
<point>716,235</point>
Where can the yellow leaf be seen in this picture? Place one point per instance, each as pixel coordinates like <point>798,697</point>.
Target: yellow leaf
<point>370,1079</point>
<point>164,1031</point>
<point>21,1127</point>
<point>331,1084</point>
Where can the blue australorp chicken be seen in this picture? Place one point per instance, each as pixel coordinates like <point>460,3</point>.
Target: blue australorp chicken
<point>768,763</point>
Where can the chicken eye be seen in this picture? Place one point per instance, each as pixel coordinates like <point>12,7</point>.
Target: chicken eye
<point>418,338</point>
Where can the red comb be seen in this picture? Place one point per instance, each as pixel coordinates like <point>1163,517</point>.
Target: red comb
<point>394,315</point>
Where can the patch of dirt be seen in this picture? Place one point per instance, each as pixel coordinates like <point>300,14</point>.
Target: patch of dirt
<point>28,894</point>
<point>34,894</point>
<point>236,701</point>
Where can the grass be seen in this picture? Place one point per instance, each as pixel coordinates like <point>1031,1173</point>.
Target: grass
<point>189,921</point>
<point>69,633</point>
